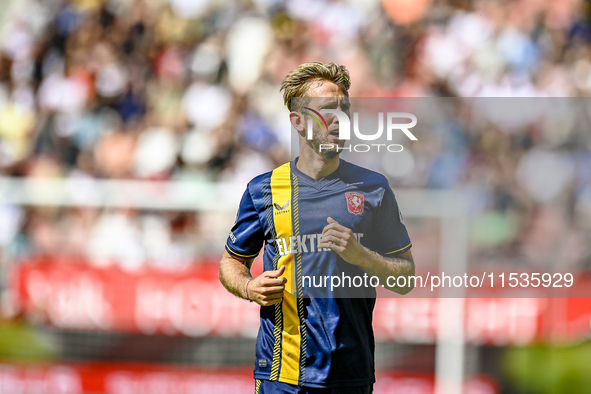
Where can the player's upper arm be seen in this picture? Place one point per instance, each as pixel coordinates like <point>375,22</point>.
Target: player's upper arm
<point>406,255</point>
<point>246,237</point>
<point>228,259</point>
<point>233,272</point>
<point>389,232</point>
<point>410,267</point>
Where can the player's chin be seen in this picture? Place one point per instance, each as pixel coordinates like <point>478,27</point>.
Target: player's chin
<point>341,144</point>
<point>333,147</point>
<point>330,154</point>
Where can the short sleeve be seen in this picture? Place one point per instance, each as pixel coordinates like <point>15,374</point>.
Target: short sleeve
<point>247,235</point>
<point>389,231</point>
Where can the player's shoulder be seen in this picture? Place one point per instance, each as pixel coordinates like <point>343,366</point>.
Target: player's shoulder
<point>262,181</point>
<point>356,173</point>
<point>257,181</point>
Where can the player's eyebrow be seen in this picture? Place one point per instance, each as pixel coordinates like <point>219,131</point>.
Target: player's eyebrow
<point>344,103</point>
<point>327,101</point>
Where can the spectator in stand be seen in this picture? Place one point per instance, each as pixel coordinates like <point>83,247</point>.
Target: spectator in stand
<point>173,89</point>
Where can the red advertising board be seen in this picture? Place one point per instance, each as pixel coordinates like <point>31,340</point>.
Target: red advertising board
<point>194,303</point>
<point>152,379</point>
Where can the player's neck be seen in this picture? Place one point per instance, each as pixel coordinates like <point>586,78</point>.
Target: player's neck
<point>315,166</point>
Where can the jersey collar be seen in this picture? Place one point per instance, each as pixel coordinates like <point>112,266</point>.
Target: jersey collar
<point>331,178</point>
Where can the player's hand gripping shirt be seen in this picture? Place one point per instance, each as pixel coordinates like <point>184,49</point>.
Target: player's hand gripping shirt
<point>309,340</point>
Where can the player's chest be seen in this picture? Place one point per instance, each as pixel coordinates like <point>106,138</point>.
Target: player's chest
<point>309,209</point>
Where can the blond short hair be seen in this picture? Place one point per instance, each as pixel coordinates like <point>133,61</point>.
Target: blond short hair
<point>298,82</point>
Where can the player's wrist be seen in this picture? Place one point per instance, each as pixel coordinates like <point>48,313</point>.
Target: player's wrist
<point>246,293</point>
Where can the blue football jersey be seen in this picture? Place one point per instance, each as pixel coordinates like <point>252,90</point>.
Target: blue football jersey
<point>309,340</point>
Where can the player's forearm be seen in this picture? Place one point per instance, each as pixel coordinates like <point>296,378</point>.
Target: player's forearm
<point>234,275</point>
<point>383,267</point>
<point>340,239</point>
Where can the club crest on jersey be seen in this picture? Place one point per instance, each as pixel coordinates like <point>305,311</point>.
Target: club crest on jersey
<point>355,202</point>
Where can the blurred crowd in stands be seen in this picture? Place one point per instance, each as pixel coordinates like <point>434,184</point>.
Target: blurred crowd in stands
<point>189,90</point>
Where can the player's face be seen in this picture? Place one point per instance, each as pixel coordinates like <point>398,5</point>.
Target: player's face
<point>327,95</point>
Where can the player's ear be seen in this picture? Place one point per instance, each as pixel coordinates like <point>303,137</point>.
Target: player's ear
<point>298,121</point>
